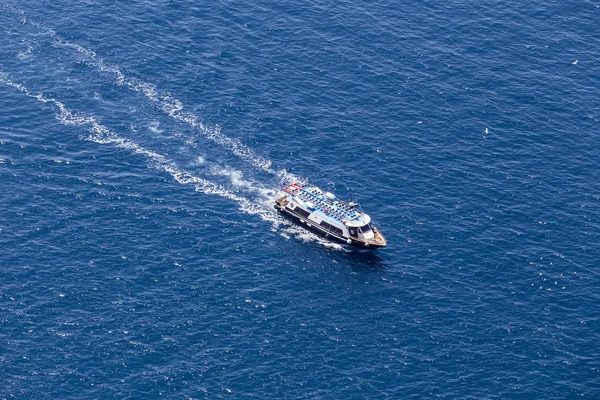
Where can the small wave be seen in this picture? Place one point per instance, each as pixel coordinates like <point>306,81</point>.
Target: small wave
<point>154,128</point>
<point>236,176</point>
<point>238,181</point>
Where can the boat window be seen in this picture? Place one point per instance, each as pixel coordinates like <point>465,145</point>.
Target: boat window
<point>332,228</point>
<point>366,228</point>
<point>302,212</point>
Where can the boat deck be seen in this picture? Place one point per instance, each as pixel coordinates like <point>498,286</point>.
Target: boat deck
<point>332,207</point>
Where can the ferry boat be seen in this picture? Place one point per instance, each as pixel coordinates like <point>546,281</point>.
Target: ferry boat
<point>326,215</point>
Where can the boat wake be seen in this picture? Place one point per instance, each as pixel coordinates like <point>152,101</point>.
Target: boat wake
<point>165,102</point>
<point>100,134</point>
<point>252,197</point>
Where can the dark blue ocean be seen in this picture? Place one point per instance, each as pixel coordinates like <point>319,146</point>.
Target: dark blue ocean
<point>142,143</point>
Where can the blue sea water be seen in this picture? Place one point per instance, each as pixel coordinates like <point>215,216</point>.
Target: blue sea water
<point>142,142</point>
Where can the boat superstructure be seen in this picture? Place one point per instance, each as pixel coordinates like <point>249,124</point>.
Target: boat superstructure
<point>325,214</point>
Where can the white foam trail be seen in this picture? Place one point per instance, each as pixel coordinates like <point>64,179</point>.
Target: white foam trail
<point>102,135</point>
<point>237,180</point>
<point>166,103</point>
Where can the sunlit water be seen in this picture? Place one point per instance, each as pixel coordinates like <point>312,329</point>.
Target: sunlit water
<point>141,145</point>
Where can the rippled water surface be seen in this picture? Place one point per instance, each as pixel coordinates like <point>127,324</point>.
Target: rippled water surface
<point>142,142</point>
